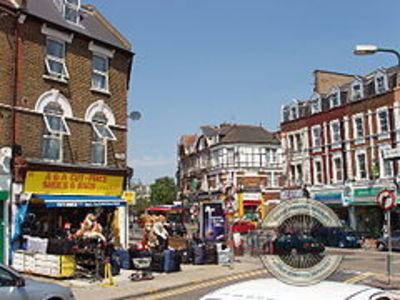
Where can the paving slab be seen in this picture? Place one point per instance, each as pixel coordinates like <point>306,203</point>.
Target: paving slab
<point>190,274</point>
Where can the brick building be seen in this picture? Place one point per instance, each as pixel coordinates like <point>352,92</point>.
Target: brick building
<point>333,143</point>
<point>64,78</point>
<point>231,160</point>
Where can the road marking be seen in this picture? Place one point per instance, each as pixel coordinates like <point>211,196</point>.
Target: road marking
<point>201,285</point>
<point>359,277</point>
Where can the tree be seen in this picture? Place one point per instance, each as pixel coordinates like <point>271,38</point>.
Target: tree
<point>163,191</point>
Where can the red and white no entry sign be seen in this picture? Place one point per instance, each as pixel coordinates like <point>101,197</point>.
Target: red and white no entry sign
<point>386,199</point>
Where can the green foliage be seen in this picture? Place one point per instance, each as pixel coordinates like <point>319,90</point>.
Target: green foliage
<point>163,191</point>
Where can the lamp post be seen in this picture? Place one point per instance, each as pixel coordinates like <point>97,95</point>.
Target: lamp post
<point>369,50</point>
<point>372,49</point>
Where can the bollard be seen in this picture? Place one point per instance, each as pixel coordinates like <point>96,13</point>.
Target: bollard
<point>108,278</point>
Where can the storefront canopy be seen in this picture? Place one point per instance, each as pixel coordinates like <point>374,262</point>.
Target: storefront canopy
<point>52,201</point>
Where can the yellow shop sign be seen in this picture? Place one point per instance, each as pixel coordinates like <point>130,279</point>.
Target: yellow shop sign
<point>39,182</point>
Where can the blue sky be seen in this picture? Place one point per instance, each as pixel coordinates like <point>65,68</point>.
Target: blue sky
<point>211,61</point>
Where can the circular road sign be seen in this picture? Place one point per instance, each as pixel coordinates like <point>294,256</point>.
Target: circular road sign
<point>386,199</point>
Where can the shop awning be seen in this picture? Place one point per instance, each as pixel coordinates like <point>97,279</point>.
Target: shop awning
<point>78,201</point>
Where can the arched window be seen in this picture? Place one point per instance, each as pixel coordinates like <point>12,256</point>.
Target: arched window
<point>101,135</point>
<point>54,107</point>
<point>55,129</point>
<point>101,117</point>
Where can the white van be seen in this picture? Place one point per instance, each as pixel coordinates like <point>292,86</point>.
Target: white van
<point>273,289</point>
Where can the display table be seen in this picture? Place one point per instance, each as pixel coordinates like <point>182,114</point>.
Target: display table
<point>57,266</point>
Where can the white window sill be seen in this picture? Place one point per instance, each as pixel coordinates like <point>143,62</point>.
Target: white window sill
<point>317,149</point>
<point>55,78</point>
<point>336,146</point>
<point>99,164</point>
<point>383,136</point>
<point>104,92</point>
<point>359,141</point>
<point>52,160</point>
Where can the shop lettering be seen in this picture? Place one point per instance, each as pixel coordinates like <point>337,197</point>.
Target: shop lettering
<point>73,183</point>
<point>55,185</point>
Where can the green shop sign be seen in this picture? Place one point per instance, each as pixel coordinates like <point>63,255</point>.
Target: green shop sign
<point>3,195</point>
<point>365,196</point>
<point>367,192</point>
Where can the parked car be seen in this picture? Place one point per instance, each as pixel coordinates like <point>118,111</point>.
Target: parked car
<point>339,237</point>
<point>382,243</point>
<point>243,226</point>
<point>297,243</point>
<point>15,287</point>
<point>273,289</point>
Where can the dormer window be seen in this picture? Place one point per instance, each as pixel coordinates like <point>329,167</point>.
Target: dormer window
<point>334,98</point>
<point>315,104</point>
<point>381,84</point>
<point>71,10</point>
<point>357,90</point>
<point>293,113</point>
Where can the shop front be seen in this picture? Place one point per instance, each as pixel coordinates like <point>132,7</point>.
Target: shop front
<point>333,198</point>
<point>364,213</point>
<point>66,213</point>
<point>250,204</point>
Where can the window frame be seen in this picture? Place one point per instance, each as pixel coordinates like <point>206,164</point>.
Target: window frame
<point>334,92</point>
<point>104,143</point>
<point>316,181</point>
<point>382,162</point>
<point>99,135</point>
<point>72,6</point>
<point>333,134</point>
<point>383,134</point>
<point>62,61</point>
<point>316,103</point>
<point>335,169</point>
<point>356,136</point>
<point>58,137</point>
<point>52,131</point>
<point>358,174</point>
<point>377,76</point>
<point>361,91</point>
<point>314,145</point>
<point>54,134</point>
<point>101,73</point>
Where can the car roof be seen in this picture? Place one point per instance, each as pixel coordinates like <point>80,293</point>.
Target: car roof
<point>273,289</point>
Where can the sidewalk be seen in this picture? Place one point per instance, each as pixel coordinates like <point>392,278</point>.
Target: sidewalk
<point>190,274</point>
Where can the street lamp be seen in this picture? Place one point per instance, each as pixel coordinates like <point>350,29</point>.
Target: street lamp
<point>372,49</point>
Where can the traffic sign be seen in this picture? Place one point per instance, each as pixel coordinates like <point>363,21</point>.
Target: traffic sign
<point>387,199</point>
<point>391,153</point>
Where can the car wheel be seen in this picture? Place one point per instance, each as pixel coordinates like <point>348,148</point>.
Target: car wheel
<point>381,246</point>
